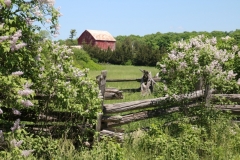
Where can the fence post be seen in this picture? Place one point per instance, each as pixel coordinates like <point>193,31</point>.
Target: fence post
<point>101,80</point>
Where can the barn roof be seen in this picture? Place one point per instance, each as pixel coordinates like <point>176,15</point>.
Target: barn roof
<point>101,35</point>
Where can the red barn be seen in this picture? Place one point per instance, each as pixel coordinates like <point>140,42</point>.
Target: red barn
<point>101,39</point>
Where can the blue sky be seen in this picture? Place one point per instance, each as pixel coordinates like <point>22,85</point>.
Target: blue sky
<point>126,17</point>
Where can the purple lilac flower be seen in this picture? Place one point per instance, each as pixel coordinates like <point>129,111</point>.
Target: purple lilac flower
<point>27,85</point>
<point>3,38</point>
<point>20,45</point>
<point>231,75</point>
<point>25,92</point>
<point>16,125</point>
<point>7,3</point>
<point>29,21</point>
<point>16,112</point>
<point>27,103</point>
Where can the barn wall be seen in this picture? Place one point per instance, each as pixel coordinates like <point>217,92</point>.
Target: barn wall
<point>87,38</point>
<point>105,44</point>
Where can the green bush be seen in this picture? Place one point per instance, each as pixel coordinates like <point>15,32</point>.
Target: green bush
<point>83,60</point>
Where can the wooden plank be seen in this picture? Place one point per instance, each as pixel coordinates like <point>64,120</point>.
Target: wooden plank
<point>231,97</point>
<point>114,121</point>
<point>128,106</point>
<point>112,93</point>
<point>131,80</point>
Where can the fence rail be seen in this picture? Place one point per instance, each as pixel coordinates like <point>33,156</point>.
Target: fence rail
<point>117,114</point>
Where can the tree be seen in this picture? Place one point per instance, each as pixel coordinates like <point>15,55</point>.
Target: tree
<point>44,34</point>
<point>73,33</point>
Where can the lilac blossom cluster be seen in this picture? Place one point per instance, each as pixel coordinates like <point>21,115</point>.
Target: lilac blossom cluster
<point>16,125</point>
<point>13,41</point>
<point>8,3</point>
<point>186,55</point>
<point>26,92</point>
<point>16,143</point>
<point>17,73</point>
<point>48,2</point>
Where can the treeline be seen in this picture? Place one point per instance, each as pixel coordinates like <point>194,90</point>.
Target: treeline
<point>147,50</point>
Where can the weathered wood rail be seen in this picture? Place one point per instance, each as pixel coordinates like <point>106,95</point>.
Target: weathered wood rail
<point>117,114</point>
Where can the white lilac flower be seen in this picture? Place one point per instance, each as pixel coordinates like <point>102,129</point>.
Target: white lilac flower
<point>182,65</point>
<point>27,103</point>
<point>37,12</point>
<point>18,73</point>
<point>57,26</point>
<point>14,143</point>
<point>214,41</point>
<point>164,70</point>
<point>1,111</point>
<point>226,38</point>
<point>8,3</point>
<point>25,92</point>
<point>16,112</point>
<point>40,49</point>
<point>165,88</point>
<point>238,82</point>
<point>38,57</point>
<point>42,68</point>
<point>235,48</point>
<point>48,20</point>
<point>231,75</point>
<point>180,55</point>
<point>18,33</point>
<point>27,85</point>
<point>16,125</point>
<point>26,153</point>
<point>195,59</point>
<point>172,56</point>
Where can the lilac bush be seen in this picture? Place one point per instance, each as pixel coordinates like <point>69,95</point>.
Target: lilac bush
<point>197,59</point>
<point>30,66</point>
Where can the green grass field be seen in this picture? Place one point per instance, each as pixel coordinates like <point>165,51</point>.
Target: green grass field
<point>125,72</point>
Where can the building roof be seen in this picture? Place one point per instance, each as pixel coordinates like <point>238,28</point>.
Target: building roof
<point>101,35</point>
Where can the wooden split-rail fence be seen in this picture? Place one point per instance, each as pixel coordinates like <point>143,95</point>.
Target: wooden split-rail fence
<point>117,114</point>
<point>112,115</point>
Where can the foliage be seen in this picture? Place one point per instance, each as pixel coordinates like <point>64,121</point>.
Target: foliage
<point>83,60</point>
<point>30,65</point>
<point>198,59</point>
